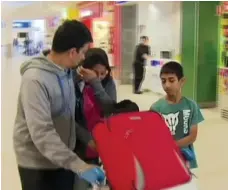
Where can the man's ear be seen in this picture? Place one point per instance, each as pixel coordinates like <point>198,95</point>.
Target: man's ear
<point>183,81</point>
<point>72,52</point>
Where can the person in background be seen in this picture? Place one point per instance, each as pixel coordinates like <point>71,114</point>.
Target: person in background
<point>181,114</point>
<point>44,133</point>
<point>142,53</point>
<point>26,46</point>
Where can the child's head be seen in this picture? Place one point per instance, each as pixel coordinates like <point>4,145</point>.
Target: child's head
<point>172,77</point>
<point>97,60</point>
<point>125,106</point>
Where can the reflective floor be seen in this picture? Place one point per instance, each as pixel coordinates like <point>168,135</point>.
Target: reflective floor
<point>211,145</point>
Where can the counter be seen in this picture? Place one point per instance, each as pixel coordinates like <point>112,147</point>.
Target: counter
<point>152,79</point>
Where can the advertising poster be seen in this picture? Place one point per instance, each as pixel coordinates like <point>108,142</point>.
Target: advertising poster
<point>101,34</point>
<point>103,37</point>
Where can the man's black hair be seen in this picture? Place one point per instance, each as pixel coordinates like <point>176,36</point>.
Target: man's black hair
<point>46,52</point>
<point>71,34</point>
<point>173,67</point>
<point>125,106</point>
<point>144,38</point>
<point>97,56</point>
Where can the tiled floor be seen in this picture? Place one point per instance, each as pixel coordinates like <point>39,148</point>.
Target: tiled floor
<point>211,145</point>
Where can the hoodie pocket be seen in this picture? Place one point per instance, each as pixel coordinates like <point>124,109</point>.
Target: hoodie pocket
<point>63,128</point>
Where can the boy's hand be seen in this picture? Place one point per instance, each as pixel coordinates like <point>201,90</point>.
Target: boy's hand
<point>190,139</point>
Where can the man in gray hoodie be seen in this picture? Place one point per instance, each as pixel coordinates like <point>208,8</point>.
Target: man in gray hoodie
<point>45,128</point>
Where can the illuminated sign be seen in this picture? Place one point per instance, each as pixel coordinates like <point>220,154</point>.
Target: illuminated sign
<point>86,13</point>
<point>3,24</point>
<point>22,24</point>
<point>121,2</point>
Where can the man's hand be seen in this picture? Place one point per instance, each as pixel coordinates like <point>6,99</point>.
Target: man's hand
<point>92,145</point>
<point>89,167</point>
<point>87,74</point>
<point>93,176</point>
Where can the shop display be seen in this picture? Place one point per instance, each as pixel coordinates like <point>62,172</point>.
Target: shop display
<point>152,81</point>
<point>223,92</point>
<point>102,19</point>
<point>101,34</point>
<point>223,82</point>
<point>223,61</point>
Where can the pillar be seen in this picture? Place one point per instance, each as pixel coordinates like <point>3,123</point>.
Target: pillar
<point>73,13</point>
<point>7,38</point>
<point>200,51</point>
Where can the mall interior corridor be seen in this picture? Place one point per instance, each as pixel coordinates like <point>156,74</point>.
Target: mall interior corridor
<point>211,145</point>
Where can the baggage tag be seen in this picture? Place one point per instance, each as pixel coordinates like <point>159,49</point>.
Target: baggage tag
<point>130,131</point>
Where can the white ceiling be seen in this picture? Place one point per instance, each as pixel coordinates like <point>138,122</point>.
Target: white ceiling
<point>32,9</point>
<point>16,4</point>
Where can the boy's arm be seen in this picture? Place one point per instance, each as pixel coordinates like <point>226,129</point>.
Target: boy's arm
<point>197,118</point>
<point>190,139</point>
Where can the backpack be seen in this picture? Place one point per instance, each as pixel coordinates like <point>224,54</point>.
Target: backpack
<point>138,152</point>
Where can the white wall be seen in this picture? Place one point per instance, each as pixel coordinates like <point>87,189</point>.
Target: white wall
<point>38,30</point>
<point>6,33</point>
<point>33,10</point>
<point>162,20</point>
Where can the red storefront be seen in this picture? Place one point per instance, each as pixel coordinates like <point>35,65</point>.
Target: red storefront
<point>94,14</point>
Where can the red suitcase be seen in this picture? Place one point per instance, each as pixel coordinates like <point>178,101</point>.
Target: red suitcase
<point>138,152</point>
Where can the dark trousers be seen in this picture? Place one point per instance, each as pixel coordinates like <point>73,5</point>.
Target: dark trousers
<point>139,72</point>
<point>42,179</point>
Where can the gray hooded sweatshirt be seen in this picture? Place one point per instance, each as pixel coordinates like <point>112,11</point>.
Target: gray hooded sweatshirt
<point>45,129</point>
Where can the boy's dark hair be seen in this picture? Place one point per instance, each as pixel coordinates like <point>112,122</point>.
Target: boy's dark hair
<point>71,34</point>
<point>173,67</point>
<point>97,56</point>
<point>125,106</point>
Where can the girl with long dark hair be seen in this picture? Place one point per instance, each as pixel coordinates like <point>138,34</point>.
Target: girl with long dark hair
<point>96,90</point>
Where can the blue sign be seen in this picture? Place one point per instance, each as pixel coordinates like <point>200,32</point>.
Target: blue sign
<point>3,24</point>
<point>121,2</point>
<point>22,24</point>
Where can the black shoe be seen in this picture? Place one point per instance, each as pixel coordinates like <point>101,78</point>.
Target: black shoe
<point>138,92</point>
